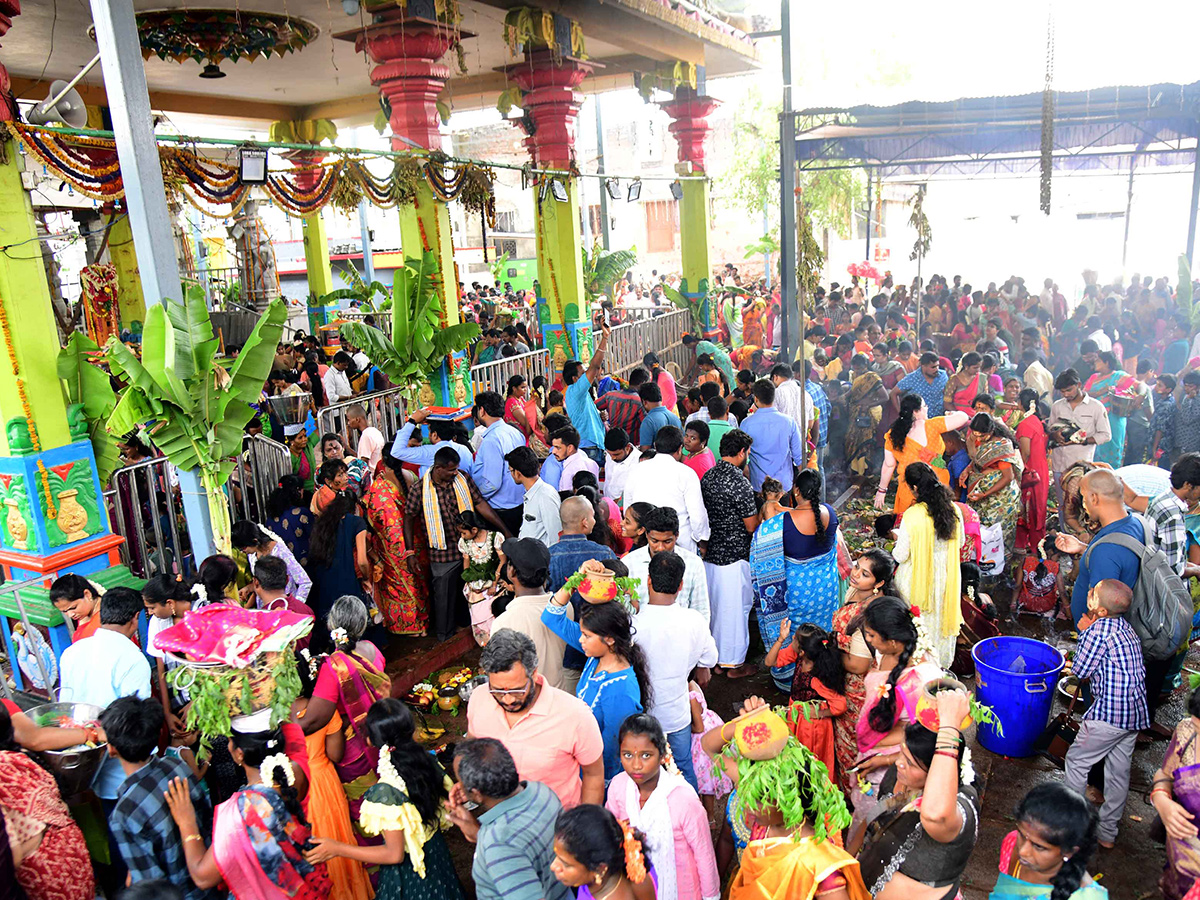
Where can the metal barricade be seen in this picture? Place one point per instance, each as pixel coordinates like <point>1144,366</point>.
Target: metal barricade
<point>494,375</point>
<point>144,507</point>
<point>385,410</point>
<point>262,463</point>
<point>627,344</point>
<point>14,588</point>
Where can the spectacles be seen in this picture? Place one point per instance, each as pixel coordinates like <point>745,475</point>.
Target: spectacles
<point>498,693</point>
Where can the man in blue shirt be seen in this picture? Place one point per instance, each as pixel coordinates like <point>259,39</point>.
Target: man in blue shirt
<point>657,416</point>
<point>1103,496</point>
<point>579,403</point>
<point>572,551</point>
<point>442,433</point>
<point>503,494</point>
<point>928,382</point>
<point>552,467</point>
<point>778,445</point>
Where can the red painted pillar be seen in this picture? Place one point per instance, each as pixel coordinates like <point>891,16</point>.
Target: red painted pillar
<point>552,103</point>
<point>689,113</point>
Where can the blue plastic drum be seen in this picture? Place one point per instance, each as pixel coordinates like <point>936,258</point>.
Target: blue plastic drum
<point>1015,676</point>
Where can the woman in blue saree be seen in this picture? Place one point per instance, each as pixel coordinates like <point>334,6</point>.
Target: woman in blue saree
<point>1116,390</point>
<point>1048,852</point>
<point>793,567</point>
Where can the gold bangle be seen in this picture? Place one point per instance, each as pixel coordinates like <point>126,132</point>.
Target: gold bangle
<point>192,837</point>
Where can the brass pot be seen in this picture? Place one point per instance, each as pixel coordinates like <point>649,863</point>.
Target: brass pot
<point>18,528</point>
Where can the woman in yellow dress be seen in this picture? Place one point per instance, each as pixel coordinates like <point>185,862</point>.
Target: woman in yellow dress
<point>914,437</point>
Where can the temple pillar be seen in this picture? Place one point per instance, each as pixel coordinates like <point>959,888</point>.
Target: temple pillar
<point>410,76</point>
<point>52,517</point>
<point>122,255</point>
<point>689,112</point>
<point>549,79</point>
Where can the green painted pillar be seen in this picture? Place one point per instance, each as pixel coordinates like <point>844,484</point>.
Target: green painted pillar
<point>425,225</point>
<point>562,307</point>
<point>124,259</point>
<point>316,255</point>
<point>693,243</point>
<point>690,111</point>
<point>32,396</point>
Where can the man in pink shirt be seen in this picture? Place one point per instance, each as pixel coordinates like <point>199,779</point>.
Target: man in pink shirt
<point>695,442</point>
<point>552,736</point>
<point>370,441</point>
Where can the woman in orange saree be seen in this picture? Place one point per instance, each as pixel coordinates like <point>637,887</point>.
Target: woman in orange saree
<point>399,595</point>
<point>753,322</point>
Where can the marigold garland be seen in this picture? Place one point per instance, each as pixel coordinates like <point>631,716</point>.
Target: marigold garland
<point>90,166</point>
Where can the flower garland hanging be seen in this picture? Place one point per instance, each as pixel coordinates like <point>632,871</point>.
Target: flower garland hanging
<point>90,166</point>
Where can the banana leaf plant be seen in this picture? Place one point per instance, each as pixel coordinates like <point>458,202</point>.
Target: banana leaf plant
<point>693,306</point>
<point>89,386</point>
<point>194,408</point>
<point>602,269</point>
<point>361,290</point>
<point>419,342</point>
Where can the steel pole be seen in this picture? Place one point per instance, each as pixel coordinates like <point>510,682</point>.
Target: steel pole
<point>787,190</point>
<point>604,236</point>
<point>1195,207</point>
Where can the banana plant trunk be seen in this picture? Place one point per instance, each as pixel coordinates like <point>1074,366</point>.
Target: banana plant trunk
<point>206,513</point>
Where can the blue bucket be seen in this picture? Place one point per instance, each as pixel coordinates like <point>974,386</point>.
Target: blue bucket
<point>1020,699</point>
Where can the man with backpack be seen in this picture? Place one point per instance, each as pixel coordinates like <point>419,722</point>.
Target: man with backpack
<point>1161,608</point>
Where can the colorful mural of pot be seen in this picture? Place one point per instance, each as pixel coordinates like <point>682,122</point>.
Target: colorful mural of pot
<point>17,523</point>
<point>71,507</point>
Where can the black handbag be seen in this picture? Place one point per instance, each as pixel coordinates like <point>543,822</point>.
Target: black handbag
<point>1060,734</point>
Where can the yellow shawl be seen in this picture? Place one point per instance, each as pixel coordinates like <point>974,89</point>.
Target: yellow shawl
<point>922,538</point>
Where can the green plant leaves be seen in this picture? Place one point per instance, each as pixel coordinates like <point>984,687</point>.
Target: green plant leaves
<point>695,307</point>
<point>89,386</point>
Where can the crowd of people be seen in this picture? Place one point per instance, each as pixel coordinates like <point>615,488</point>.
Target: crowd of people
<point>593,764</point>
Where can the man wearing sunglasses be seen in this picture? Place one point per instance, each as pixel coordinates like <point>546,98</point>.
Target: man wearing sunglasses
<point>552,736</point>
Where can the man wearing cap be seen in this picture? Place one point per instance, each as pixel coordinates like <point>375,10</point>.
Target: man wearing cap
<point>527,564</point>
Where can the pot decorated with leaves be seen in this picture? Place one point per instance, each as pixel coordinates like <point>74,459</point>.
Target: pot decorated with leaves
<point>448,698</point>
<point>927,711</point>
<point>760,734</point>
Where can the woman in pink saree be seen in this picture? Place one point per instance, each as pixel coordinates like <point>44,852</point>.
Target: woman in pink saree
<point>259,833</point>
<point>964,385</point>
<point>351,679</point>
<point>892,690</point>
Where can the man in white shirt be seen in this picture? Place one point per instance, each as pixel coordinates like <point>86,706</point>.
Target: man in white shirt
<point>335,381</point>
<point>665,481</point>
<point>370,438</point>
<point>565,445</point>
<point>790,397</point>
<point>540,517</point>
<point>1086,412</point>
<point>676,641</point>
<point>105,666</point>
<point>1096,333</point>
<point>622,458</point>
<point>1036,376</point>
<point>662,534</point>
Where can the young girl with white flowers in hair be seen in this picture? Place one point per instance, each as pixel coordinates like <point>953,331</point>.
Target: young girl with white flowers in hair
<point>259,833</point>
<point>654,798</point>
<point>406,807</point>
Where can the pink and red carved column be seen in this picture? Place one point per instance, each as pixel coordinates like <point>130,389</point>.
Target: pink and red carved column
<point>552,103</point>
<point>410,75</point>
<point>689,112</point>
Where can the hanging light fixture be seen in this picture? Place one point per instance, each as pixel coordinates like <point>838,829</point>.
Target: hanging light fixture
<point>559,189</point>
<point>613,186</point>
<point>543,189</point>
<point>676,190</point>
<point>634,191</point>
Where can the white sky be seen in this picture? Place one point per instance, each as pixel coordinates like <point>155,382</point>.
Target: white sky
<point>941,50</point>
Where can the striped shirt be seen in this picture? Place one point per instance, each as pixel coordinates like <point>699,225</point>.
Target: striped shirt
<point>516,845</point>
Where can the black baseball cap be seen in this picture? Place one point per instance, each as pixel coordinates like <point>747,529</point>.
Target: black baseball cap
<point>527,554</point>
